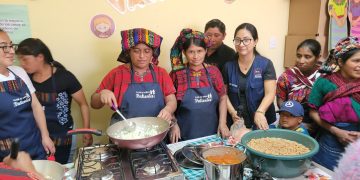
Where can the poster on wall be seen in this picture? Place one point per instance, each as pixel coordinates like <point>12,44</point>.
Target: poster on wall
<point>14,20</point>
<point>102,26</point>
<point>337,10</point>
<point>354,18</point>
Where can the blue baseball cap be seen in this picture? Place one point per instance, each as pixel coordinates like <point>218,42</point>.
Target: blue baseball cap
<point>293,107</point>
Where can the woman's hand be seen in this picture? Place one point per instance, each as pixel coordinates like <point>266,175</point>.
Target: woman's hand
<point>224,131</point>
<point>260,121</point>
<point>165,114</point>
<point>24,163</point>
<point>48,145</point>
<point>345,137</point>
<point>239,133</point>
<point>175,134</point>
<point>87,139</point>
<point>235,117</point>
<point>107,97</point>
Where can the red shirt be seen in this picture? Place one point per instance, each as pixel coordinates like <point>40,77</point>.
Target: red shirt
<point>118,79</point>
<point>198,79</point>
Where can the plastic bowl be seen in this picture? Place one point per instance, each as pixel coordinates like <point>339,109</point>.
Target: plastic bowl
<point>51,170</point>
<point>276,165</point>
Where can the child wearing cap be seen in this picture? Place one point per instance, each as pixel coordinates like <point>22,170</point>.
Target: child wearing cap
<point>291,116</point>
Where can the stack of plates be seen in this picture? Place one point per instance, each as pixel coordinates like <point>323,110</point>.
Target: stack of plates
<point>187,159</point>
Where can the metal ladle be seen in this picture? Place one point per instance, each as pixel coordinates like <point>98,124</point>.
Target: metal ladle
<point>130,125</point>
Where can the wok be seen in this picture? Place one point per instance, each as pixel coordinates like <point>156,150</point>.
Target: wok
<point>154,128</point>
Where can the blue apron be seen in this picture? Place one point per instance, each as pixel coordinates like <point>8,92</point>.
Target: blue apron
<point>331,149</point>
<point>57,122</point>
<point>197,114</point>
<point>143,99</point>
<point>17,119</point>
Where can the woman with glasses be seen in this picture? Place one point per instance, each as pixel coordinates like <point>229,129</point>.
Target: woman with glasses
<point>296,82</point>
<point>139,87</point>
<point>201,93</point>
<point>251,81</point>
<point>56,87</point>
<point>21,115</point>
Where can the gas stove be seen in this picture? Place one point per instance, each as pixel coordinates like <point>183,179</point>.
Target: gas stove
<point>109,162</point>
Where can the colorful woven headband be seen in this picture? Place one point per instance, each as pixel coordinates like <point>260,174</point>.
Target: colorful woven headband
<point>176,59</point>
<point>133,37</point>
<point>346,45</point>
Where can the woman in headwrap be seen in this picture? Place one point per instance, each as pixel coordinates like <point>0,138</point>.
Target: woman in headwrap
<point>201,93</point>
<point>139,87</point>
<point>296,82</point>
<point>335,103</point>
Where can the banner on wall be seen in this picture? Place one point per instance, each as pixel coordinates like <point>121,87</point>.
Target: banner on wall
<point>14,20</point>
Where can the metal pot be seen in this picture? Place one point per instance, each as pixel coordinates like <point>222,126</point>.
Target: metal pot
<point>49,169</point>
<point>223,171</point>
<point>145,123</point>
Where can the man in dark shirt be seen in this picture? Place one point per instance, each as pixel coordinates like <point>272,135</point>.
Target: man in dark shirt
<point>218,53</point>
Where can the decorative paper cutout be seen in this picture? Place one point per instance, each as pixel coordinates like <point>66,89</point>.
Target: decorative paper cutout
<point>354,17</point>
<point>102,26</point>
<point>229,1</point>
<point>122,6</point>
<point>337,26</point>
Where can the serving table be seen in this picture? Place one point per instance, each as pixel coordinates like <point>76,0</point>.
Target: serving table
<point>199,174</point>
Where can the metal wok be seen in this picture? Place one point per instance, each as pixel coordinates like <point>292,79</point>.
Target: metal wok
<point>158,126</point>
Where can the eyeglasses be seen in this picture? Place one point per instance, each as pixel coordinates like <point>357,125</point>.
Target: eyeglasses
<point>244,41</point>
<point>7,49</point>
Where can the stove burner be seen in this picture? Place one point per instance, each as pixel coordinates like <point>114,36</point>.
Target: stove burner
<point>154,163</point>
<point>100,154</point>
<point>102,174</point>
<point>152,169</point>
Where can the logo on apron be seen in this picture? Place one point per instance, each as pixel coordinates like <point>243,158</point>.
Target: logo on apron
<point>22,100</point>
<point>203,99</point>
<point>145,94</point>
<point>257,73</point>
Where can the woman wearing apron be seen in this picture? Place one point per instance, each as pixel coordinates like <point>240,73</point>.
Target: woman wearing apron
<point>200,90</point>
<point>335,102</point>
<point>21,115</point>
<point>55,89</point>
<point>139,87</point>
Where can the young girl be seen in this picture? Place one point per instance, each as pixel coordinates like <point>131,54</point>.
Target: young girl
<point>201,93</point>
<point>55,88</point>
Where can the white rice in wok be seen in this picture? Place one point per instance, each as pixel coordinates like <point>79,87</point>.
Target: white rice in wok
<point>139,132</point>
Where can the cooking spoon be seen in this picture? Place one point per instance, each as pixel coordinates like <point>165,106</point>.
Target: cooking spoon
<point>130,125</point>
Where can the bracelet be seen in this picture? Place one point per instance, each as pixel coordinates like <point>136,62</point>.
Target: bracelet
<point>262,112</point>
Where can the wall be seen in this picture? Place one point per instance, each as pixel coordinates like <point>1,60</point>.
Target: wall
<point>64,27</point>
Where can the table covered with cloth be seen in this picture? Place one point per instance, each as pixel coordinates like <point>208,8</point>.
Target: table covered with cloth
<point>193,174</point>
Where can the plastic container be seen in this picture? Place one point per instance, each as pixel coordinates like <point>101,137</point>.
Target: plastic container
<point>281,166</point>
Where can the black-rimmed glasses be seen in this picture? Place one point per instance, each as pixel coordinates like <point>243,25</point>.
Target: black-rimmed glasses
<point>244,41</point>
<point>7,49</point>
